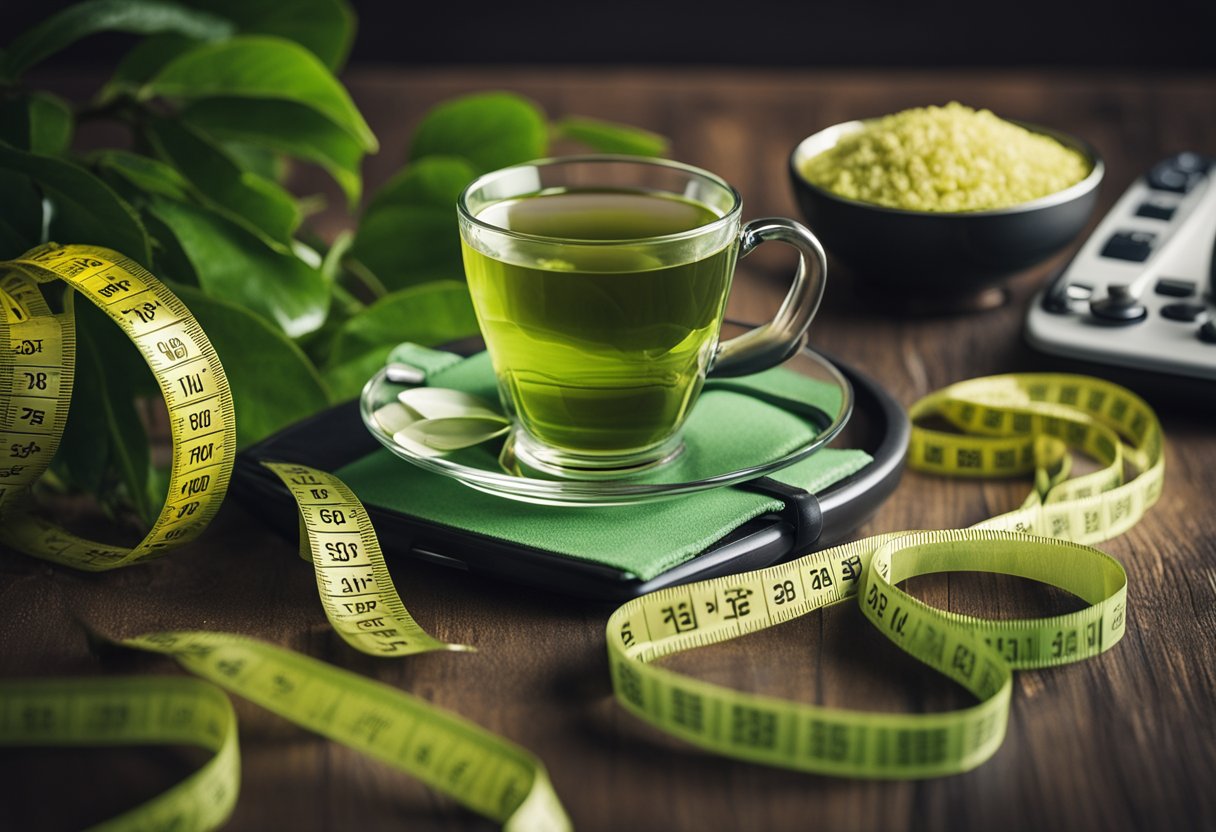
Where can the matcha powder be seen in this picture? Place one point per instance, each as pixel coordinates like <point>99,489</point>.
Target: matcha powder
<point>950,158</point>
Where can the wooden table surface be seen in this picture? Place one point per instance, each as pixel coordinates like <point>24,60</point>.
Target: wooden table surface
<point>1123,741</point>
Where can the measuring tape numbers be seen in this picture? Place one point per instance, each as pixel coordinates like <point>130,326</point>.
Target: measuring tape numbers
<point>36,376</point>
<point>358,595</point>
<point>1008,425</point>
<point>37,364</point>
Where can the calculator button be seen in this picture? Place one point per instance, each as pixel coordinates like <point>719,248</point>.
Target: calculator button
<point>1207,332</point>
<point>1189,161</point>
<point>1156,211</point>
<point>1175,288</point>
<point>1130,245</point>
<point>1170,178</point>
<point>1185,312</point>
<point>1178,174</point>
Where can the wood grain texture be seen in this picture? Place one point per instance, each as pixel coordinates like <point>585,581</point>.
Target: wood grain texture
<point>1124,741</point>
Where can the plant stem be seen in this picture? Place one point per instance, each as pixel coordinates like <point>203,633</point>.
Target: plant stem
<point>366,277</point>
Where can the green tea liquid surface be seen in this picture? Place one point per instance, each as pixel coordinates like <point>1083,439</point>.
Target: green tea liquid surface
<point>599,347</point>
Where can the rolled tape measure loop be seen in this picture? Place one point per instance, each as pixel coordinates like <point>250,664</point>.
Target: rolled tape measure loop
<point>1093,576</point>
<point>1007,425</point>
<point>779,732</point>
<point>36,378</point>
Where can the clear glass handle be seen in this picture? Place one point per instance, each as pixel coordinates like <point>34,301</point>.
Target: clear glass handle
<point>774,342</point>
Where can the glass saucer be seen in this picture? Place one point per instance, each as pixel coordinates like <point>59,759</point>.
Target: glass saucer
<point>692,471</point>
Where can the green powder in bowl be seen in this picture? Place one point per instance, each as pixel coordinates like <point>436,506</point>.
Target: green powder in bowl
<point>945,159</point>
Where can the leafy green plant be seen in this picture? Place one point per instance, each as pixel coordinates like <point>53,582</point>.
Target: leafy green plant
<point>218,99</point>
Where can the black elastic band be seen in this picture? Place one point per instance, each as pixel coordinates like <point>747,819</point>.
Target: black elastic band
<point>800,510</point>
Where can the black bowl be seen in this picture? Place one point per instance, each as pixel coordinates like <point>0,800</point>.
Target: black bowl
<point>941,257</point>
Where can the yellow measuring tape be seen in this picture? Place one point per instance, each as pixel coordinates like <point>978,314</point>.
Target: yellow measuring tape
<point>480,770</point>
<point>1013,425</point>
<point>352,579</point>
<point>142,710</point>
<point>36,376</point>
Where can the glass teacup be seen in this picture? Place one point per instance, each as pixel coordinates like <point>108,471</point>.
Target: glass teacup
<point>599,284</point>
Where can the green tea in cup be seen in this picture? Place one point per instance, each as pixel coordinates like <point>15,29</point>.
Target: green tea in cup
<point>599,285</point>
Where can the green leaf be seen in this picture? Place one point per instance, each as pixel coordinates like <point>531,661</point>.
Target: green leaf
<point>37,121</point>
<point>138,179</point>
<point>257,160</point>
<point>492,130</point>
<point>345,380</point>
<point>143,61</point>
<point>149,175</point>
<point>324,27</point>
<point>287,127</point>
<point>12,242</point>
<point>262,68</point>
<point>454,433</point>
<point>167,254</point>
<point>20,212</point>
<point>409,234</point>
<point>252,201</point>
<point>428,315</point>
<point>84,208</point>
<point>436,181</point>
<point>433,420</point>
<point>143,17</point>
<point>51,124</point>
<point>273,383</point>
<point>442,403</point>
<point>410,244</point>
<point>85,446</point>
<point>105,437</point>
<point>237,266</point>
<point>608,137</point>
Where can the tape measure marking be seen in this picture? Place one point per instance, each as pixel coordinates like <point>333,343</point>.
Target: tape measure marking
<point>780,732</point>
<point>136,710</point>
<point>1017,424</point>
<point>353,581</point>
<point>489,775</point>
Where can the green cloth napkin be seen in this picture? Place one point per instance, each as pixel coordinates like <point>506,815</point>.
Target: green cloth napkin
<point>727,430</point>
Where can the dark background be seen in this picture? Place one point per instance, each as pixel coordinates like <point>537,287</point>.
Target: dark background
<point>1174,34</point>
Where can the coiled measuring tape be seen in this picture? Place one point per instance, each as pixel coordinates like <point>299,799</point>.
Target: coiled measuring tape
<point>1013,425</point>
<point>142,710</point>
<point>37,361</point>
<point>36,376</point>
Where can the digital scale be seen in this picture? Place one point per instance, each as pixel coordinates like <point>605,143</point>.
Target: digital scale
<point>1140,294</point>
